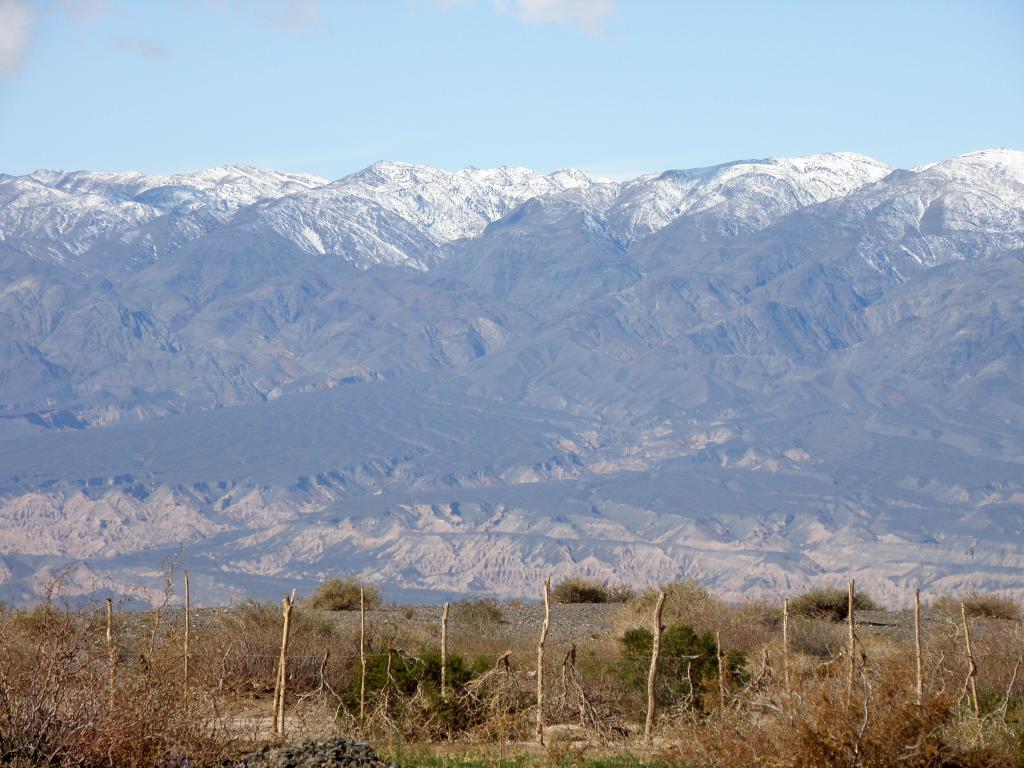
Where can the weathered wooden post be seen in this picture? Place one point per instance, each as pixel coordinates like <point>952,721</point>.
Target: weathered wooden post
<point>917,647</point>
<point>111,653</point>
<point>282,663</point>
<point>972,668</point>
<point>851,648</point>
<point>652,673</point>
<point>785,644</point>
<point>362,656</point>
<point>188,611</point>
<point>444,651</point>
<point>568,662</point>
<point>540,660</point>
<point>721,669</point>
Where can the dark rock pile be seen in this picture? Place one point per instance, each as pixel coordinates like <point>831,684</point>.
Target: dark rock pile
<point>331,753</point>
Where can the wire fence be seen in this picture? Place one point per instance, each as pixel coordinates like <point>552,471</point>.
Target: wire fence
<point>843,651</point>
<point>370,677</point>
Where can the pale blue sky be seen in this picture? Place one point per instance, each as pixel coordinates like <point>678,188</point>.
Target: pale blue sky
<point>617,87</point>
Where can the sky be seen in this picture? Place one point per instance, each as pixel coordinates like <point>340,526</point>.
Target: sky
<point>616,87</point>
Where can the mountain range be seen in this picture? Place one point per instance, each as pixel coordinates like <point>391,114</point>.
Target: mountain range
<point>765,375</point>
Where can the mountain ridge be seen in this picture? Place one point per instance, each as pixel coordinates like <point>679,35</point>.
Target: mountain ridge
<point>761,374</point>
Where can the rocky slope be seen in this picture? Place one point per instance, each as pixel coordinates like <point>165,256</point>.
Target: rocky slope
<point>763,374</point>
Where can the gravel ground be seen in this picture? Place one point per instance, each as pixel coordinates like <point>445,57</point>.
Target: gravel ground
<point>330,753</point>
<point>569,623</point>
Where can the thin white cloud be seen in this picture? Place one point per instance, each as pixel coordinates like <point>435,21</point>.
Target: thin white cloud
<point>83,11</point>
<point>145,48</point>
<point>297,15</point>
<point>292,16</point>
<point>16,18</point>
<point>588,16</point>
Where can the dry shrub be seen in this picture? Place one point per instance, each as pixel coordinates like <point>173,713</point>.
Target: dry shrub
<point>502,703</point>
<point>686,602</point>
<point>54,686</point>
<point>342,594</point>
<point>831,604</point>
<point>979,605</point>
<point>576,589</point>
<point>879,726</point>
<point>237,649</point>
<point>477,615</point>
<point>818,638</point>
<point>620,593</point>
<point>56,707</point>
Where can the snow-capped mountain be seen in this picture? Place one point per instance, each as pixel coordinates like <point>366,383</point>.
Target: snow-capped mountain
<point>63,215</point>
<point>394,213</point>
<point>763,374</point>
<point>222,190</point>
<point>966,207</point>
<point>745,195</point>
<point>397,213</point>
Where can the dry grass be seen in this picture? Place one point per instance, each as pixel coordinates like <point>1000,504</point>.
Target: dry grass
<point>819,723</point>
<point>980,605</point>
<point>57,709</point>
<point>55,704</point>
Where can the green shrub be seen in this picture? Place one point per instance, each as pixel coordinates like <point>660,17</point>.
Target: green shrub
<point>577,589</point>
<point>342,594</point>
<point>412,686</point>
<point>404,673</point>
<point>830,604</point>
<point>686,659</point>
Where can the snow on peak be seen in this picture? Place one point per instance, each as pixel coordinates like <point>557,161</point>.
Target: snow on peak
<point>413,209</point>
<point>402,213</point>
<point>425,207</point>
<point>235,184</point>
<point>80,208</point>
<point>991,166</point>
<point>753,193</point>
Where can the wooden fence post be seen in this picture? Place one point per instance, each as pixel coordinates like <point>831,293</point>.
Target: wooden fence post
<point>721,669</point>
<point>917,647</point>
<point>282,662</point>
<point>540,660</point>
<point>652,673</point>
<point>188,606</point>
<point>444,651</point>
<point>972,670</point>
<point>111,653</point>
<point>785,644</point>
<point>362,656</point>
<point>568,662</point>
<point>851,648</point>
